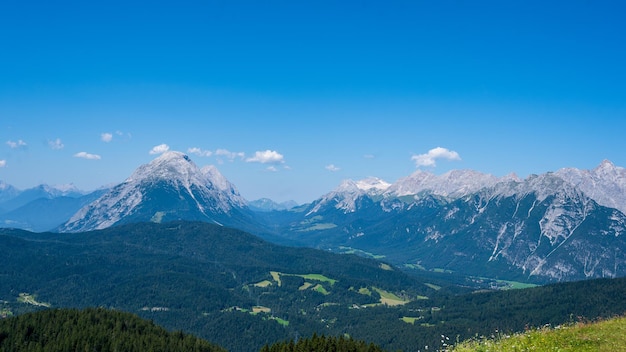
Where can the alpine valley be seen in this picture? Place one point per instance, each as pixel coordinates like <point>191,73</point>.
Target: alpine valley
<point>178,244</point>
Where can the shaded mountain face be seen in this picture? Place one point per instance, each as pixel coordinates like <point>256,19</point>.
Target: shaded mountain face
<point>557,226</point>
<point>171,187</point>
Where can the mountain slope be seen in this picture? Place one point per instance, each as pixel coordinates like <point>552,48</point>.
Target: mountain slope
<point>544,228</point>
<point>562,236</point>
<point>606,184</point>
<point>170,187</point>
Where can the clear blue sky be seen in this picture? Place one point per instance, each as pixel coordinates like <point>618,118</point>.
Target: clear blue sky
<point>332,89</point>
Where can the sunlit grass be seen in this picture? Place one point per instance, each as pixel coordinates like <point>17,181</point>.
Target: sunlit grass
<point>389,298</point>
<point>607,335</point>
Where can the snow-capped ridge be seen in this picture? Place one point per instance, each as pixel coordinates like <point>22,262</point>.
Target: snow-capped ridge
<point>345,196</point>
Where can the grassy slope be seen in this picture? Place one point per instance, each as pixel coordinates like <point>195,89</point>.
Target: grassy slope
<point>607,335</point>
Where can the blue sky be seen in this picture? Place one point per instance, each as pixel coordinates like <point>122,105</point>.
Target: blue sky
<point>288,98</point>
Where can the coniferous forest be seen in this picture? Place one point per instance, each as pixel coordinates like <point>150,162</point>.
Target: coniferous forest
<point>92,330</point>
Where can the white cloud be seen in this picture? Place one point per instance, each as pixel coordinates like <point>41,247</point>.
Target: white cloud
<point>332,167</point>
<point>369,156</point>
<point>15,145</point>
<point>159,149</point>
<point>429,159</point>
<point>267,157</point>
<point>56,144</point>
<point>85,155</point>
<point>3,163</point>
<point>106,137</point>
<point>228,154</point>
<point>272,169</point>
<point>199,152</point>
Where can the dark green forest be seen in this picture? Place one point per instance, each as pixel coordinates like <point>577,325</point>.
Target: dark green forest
<point>92,330</point>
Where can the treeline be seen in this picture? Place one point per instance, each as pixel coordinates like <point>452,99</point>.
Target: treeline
<point>92,329</point>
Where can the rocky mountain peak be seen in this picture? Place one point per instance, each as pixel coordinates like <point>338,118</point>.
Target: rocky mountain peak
<point>171,185</point>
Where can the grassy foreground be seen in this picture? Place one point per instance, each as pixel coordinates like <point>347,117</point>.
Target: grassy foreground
<point>606,335</point>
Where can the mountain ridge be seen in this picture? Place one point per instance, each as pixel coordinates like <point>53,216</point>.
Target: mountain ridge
<point>542,228</point>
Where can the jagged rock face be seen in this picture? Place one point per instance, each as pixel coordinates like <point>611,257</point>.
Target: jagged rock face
<point>562,237</point>
<point>560,226</point>
<point>606,184</point>
<point>171,187</point>
<point>454,184</point>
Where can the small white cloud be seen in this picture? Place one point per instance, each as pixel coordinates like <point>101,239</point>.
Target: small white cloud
<point>229,155</point>
<point>3,163</point>
<point>15,145</point>
<point>88,156</point>
<point>199,151</point>
<point>267,157</point>
<point>271,169</point>
<point>369,156</point>
<point>159,149</point>
<point>332,167</point>
<point>56,144</point>
<point>106,137</point>
<point>429,159</point>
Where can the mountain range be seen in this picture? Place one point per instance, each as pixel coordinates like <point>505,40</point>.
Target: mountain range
<point>558,226</point>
